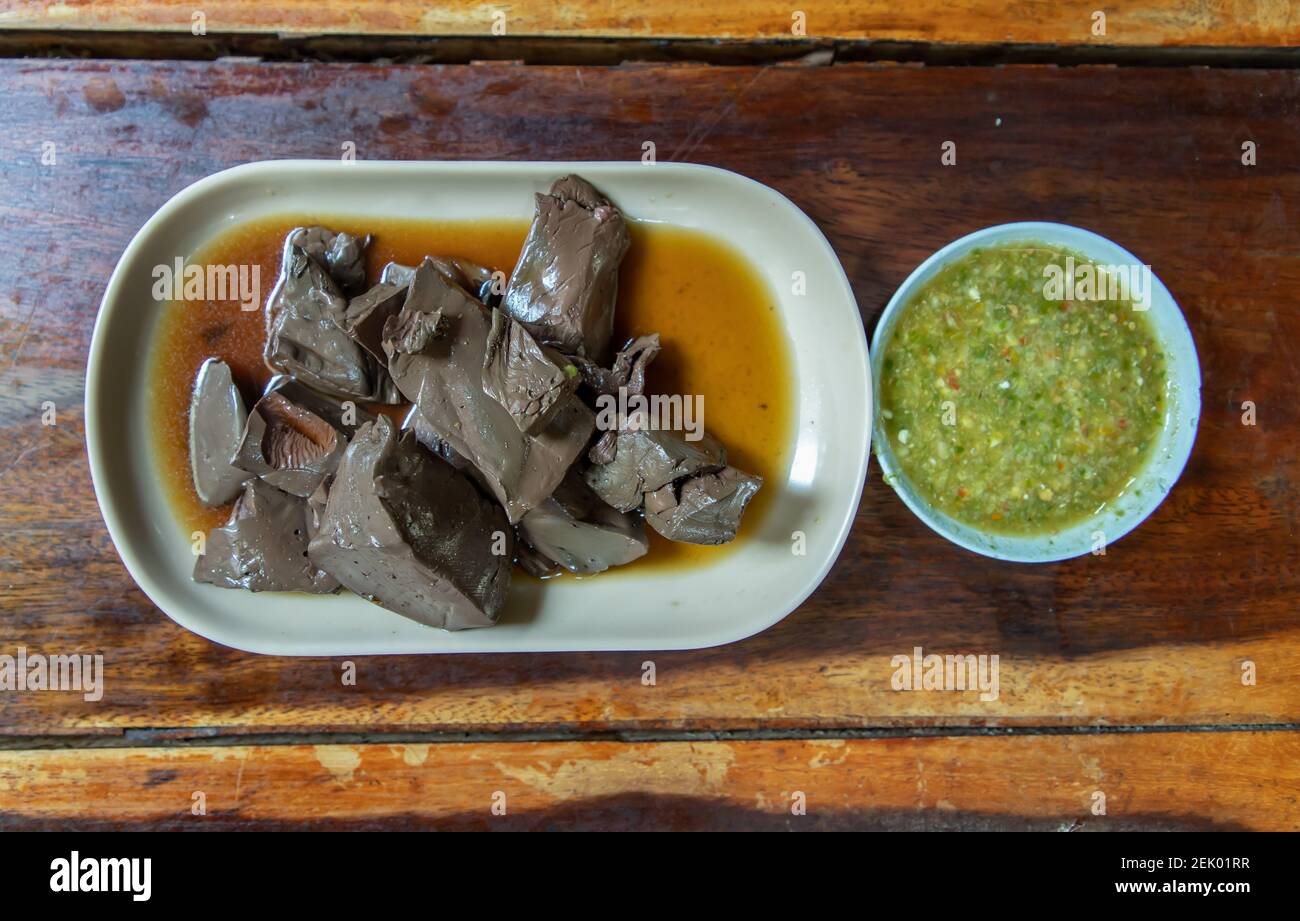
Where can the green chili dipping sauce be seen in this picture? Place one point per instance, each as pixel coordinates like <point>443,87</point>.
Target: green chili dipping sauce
<point>1012,412</point>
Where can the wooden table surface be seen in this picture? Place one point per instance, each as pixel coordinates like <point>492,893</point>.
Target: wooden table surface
<point>1120,675</point>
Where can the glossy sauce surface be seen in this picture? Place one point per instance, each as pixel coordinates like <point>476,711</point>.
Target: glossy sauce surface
<point>721,335</point>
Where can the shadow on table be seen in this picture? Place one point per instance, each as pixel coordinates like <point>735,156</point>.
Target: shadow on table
<point>647,812</point>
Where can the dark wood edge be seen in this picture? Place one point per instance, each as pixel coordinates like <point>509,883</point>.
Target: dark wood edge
<point>162,45</point>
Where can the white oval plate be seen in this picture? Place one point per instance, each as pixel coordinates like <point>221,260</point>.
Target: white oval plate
<point>744,592</point>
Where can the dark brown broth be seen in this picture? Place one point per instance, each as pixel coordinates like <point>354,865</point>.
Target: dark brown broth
<point>721,334</point>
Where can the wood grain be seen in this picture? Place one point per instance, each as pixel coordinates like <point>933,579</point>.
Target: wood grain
<point>1155,632</point>
<point>1066,22</point>
<point>1223,781</point>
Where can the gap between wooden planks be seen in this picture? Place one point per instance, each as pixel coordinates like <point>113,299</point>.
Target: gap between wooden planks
<point>1243,780</point>
<point>1066,22</point>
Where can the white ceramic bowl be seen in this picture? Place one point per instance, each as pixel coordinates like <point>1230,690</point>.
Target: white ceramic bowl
<point>1167,458</point>
<point>744,592</point>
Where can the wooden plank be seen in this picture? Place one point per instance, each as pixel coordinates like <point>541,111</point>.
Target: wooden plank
<point>1155,632</point>
<point>1138,23</point>
<point>1150,781</point>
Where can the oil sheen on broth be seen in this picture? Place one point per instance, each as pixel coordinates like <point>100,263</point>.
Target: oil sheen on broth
<point>1014,413</point>
<point>721,334</point>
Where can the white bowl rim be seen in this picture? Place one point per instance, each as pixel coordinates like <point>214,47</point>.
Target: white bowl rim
<point>1051,232</point>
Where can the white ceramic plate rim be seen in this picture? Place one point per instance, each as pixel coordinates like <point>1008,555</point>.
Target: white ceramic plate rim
<point>1168,457</point>
<point>856,437</point>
